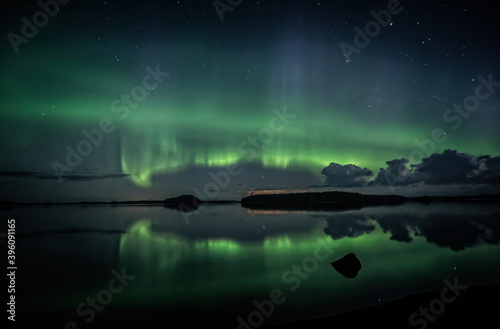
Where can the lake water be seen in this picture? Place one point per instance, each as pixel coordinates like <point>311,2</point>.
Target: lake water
<point>141,266</point>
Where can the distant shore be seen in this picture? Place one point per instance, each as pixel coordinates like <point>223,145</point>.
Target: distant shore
<point>288,201</point>
<point>346,200</point>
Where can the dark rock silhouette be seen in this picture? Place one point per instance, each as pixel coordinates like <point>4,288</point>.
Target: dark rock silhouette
<point>184,203</point>
<point>348,266</point>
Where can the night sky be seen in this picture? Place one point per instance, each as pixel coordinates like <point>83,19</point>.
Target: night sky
<point>108,100</point>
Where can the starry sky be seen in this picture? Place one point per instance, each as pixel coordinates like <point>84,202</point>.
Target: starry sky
<point>101,100</point>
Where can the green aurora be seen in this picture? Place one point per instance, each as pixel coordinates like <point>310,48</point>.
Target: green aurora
<point>215,106</point>
<point>167,132</point>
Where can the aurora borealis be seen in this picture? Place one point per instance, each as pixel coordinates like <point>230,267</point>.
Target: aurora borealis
<point>222,84</point>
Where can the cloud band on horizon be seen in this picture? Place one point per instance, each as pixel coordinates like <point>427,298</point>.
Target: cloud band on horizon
<point>449,167</point>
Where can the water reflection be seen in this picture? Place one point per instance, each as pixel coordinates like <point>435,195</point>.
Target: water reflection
<point>456,226</point>
<point>232,256</point>
<point>348,225</point>
<point>229,256</point>
<point>158,257</point>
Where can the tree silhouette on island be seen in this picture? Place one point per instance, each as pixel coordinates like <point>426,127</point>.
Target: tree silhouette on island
<point>333,200</point>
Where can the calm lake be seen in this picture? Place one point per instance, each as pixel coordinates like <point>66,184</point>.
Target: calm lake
<point>138,266</point>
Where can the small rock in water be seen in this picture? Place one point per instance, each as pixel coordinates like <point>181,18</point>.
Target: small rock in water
<point>348,266</point>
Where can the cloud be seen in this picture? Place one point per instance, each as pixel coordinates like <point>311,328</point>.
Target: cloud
<point>338,175</point>
<point>397,173</point>
<point>449,167</point>
<point>452,167</point>
<point>492,173</point>
<point>69,177</point>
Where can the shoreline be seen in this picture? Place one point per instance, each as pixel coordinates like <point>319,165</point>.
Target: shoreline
<point>287,201</point>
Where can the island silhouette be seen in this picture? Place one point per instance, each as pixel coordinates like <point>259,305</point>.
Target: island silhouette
<point>332,200</point>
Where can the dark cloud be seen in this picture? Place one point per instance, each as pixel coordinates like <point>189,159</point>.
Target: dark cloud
<point>449,167</point>
<point>492,174</point>
<point>397,173</point>
<point>338,175</point>
<point>452,167</point>
<point>68,177</point>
